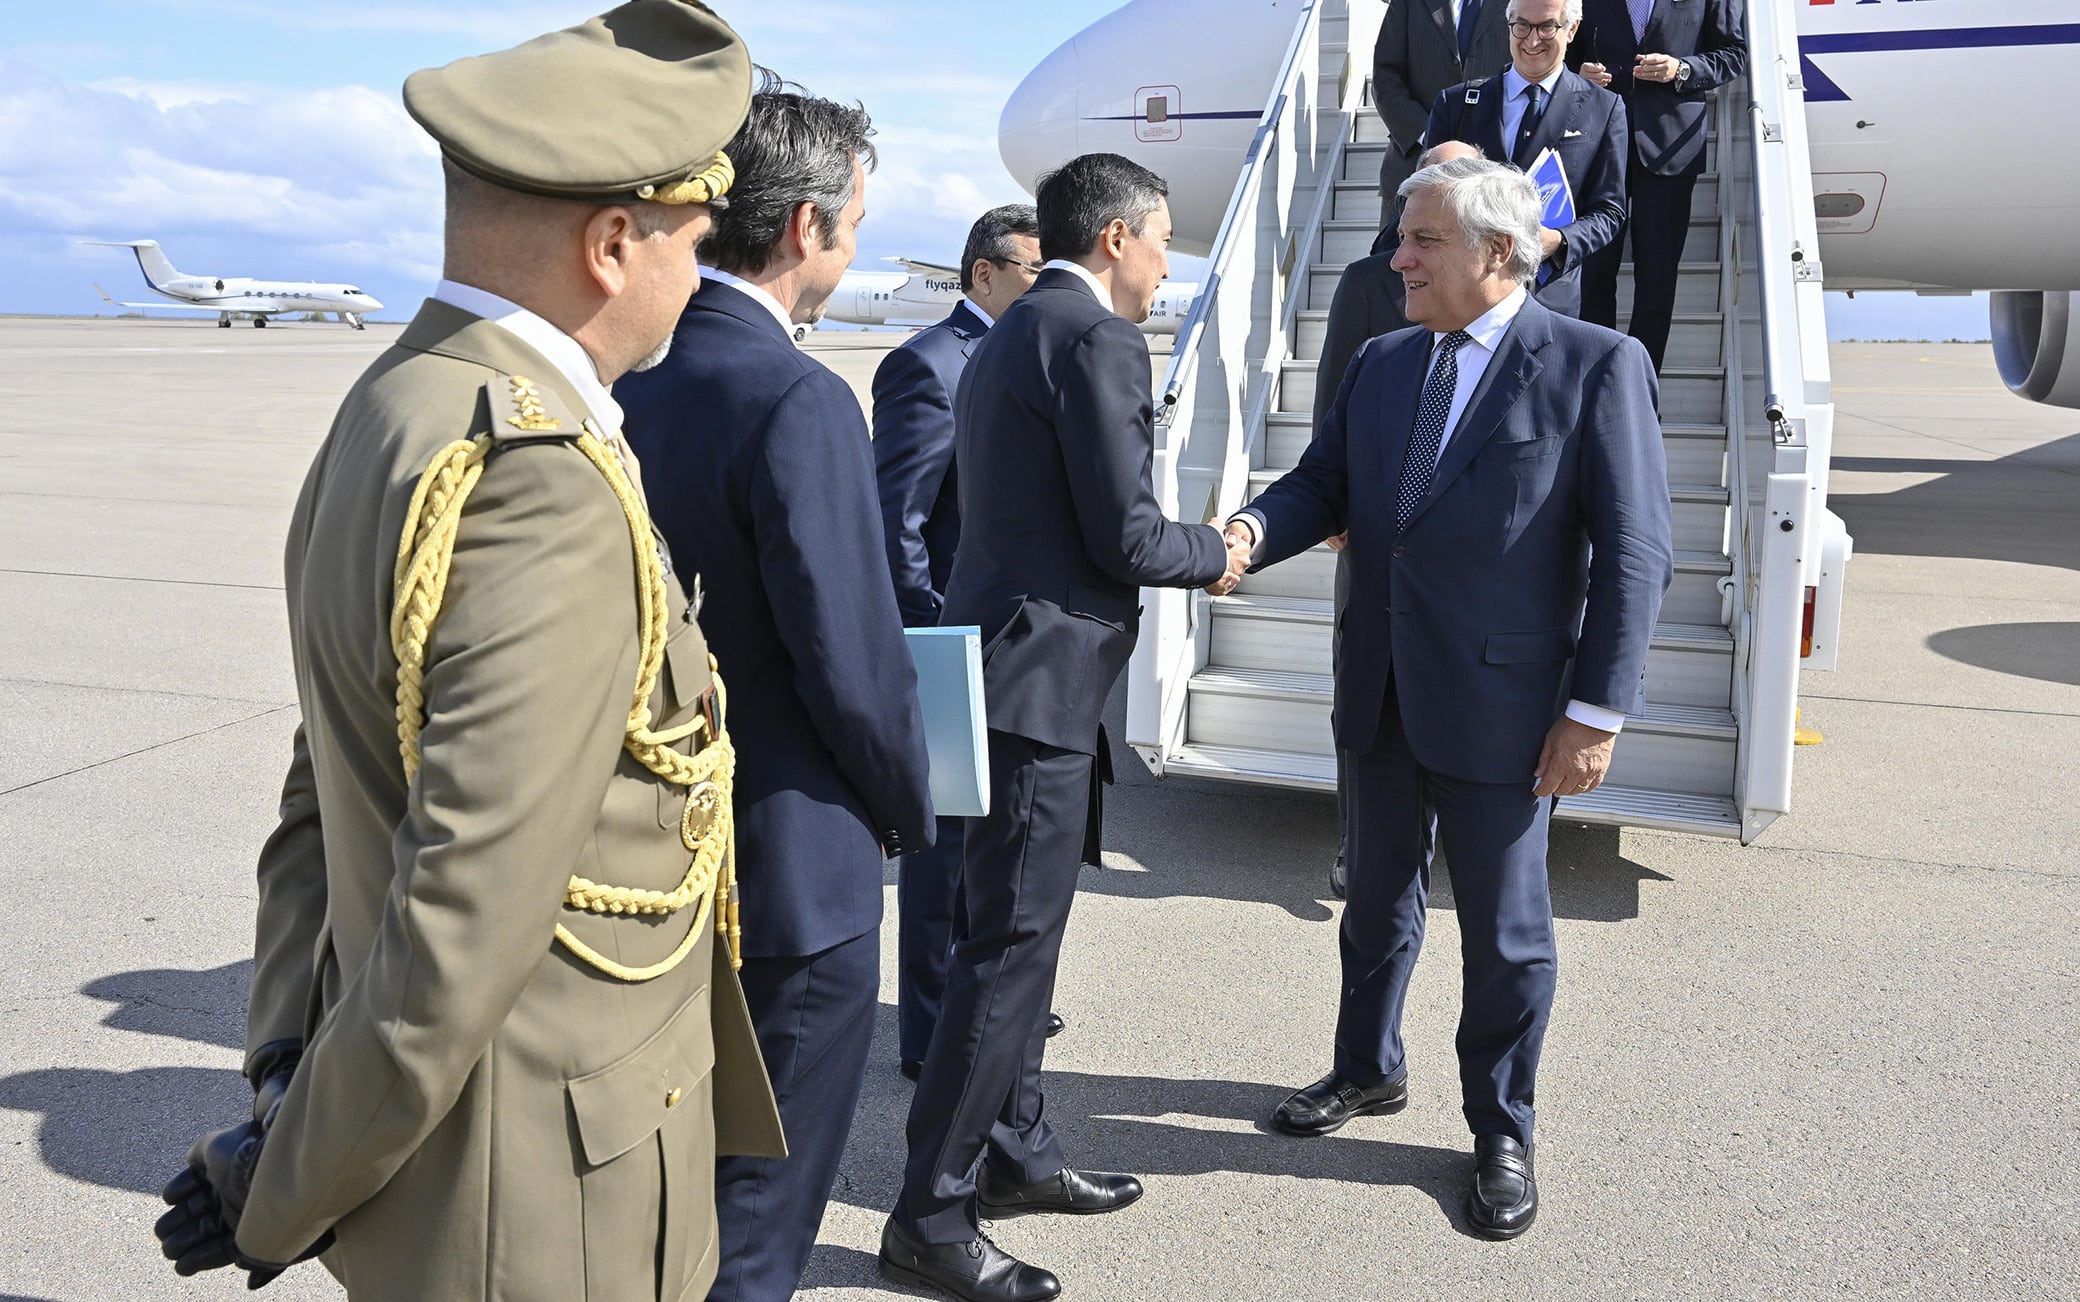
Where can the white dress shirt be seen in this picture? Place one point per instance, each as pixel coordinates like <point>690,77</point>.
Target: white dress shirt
<point>1087,276</point>
<point>1513,104</point>
<point>758,295</point>
<point>1485,333</point>
<point>988,321</point>
<point>561,351</point>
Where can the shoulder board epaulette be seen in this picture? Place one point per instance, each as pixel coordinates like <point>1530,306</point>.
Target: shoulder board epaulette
<point>523,411</point>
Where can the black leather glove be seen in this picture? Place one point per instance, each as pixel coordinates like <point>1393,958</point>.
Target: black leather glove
<point>209,1196</point>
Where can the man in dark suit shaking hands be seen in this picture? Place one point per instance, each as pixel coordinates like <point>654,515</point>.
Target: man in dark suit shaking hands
<point>914,389</point>
<point>1059,529</point>
<point>760,475</point>
<point>1499,469</point>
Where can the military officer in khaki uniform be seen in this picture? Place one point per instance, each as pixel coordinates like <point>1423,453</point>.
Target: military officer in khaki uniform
<point>495,1039</point>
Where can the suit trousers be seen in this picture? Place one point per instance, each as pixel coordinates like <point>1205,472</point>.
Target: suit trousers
<point>815,1022</point>
<point>1495,838</point>
<point>1659,224</point>
<point>927,898</point>
<point>980,1089</point>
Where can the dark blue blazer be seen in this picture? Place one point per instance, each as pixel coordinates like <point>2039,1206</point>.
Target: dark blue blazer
<point>1585,125</point>
<point>1054,430</point>
<point>756,465</point>
<point>1544,539</point>
<point>913,459</point>
<point>1668,125</point>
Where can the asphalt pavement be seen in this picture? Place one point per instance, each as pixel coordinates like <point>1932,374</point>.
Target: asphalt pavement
<point>1838,1062</point>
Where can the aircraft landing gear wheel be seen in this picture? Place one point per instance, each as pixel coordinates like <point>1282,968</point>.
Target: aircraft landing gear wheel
<point>801,334</point>
<point>259,323</point>
<point>223,323</point>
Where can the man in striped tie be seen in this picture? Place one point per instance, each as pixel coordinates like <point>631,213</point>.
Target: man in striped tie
<point>1500,472</point>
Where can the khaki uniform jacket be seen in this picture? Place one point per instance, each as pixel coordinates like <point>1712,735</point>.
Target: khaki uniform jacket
<point>479,1114</point>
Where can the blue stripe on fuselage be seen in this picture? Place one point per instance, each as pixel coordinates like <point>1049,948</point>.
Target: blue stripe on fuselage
<point>1822,89</point>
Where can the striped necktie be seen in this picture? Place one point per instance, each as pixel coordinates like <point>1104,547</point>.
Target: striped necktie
<point>1426,439</point>
<point>1642,14</point>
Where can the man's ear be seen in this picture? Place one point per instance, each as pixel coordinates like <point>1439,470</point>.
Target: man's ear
<point>801,229</point>
<point>1113,240</point>
<point>607,239</point>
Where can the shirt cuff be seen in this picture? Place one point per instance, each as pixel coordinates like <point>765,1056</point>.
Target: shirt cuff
<point>1595,716</point>
<point>1256,531</point>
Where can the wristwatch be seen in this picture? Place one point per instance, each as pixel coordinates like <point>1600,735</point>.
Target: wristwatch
<point>1682,74</point>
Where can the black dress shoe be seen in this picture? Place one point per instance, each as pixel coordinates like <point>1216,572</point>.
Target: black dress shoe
<point>1504,1198</point>
<point>1324,1106</point>
<point>979,1271</point>
<point>1054,1025</point>
<point>1338,875</point>
<point>1077,1193</point>
<point>910,1067</point>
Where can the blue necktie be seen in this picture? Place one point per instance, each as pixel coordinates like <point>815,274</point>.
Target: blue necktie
<point>1419,463</point>
<point>1469,14</point>
<point>1642,11</point>
<point>1520,153</point>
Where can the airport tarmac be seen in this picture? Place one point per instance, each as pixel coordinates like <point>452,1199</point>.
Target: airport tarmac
<point>1839,1062</point>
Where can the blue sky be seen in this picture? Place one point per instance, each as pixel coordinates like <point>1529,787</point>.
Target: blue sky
<point>265,138</point>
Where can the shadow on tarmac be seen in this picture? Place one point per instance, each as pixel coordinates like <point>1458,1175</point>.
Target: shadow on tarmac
<point>125,1129</point>
<point>208,1007</point>
<point>2049,651</point>
<point>2009,509</point>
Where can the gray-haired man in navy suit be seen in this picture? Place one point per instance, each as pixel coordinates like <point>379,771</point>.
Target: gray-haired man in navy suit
<point>1500,472</point>
<point>914,389</point>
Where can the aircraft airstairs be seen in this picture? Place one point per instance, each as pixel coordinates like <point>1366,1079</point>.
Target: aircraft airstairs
<point>1238,688</point>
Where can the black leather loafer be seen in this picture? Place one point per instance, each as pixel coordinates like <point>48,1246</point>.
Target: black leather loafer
<point>1504,1198</point>
<point>1339,876</point>
<point>1054,1025</point>
<point>1324,1106</point>
<point>910,1068</point>
<point>1075,1193</point>
<point>978,1271</point>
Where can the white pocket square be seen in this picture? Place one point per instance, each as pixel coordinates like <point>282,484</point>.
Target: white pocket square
<point>1569,135</point>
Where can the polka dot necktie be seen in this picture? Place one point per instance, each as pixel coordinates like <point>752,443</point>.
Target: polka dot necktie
<point>1419,463</point>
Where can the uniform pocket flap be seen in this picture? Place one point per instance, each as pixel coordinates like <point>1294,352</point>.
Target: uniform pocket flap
<point>1529,648</point>
<point>686,656</point>
<point>620,1106</point>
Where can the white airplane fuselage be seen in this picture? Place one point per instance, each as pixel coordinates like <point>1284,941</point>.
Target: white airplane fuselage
<point>1914,110</point>
<point>230,296</point>
<point>923,297</point>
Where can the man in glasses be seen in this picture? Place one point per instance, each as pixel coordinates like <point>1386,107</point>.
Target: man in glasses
<point>1536,105</point>
<point>921,523</point>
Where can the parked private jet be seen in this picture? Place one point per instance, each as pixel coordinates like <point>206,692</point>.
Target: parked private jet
<point>924,292</point>
<point>240,296</point>
<point>1906,194</point>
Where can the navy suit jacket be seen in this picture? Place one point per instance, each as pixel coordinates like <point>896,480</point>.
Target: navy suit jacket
<point>1668,125</point>
<point>1054,430</point>
<point>913,459</point>
<point>1585,125</point>
<point>1544,539</point>
<point>756,465</point>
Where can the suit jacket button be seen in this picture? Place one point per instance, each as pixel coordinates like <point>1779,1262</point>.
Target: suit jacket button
<point>672,1096</point>
<point>1400,552</point>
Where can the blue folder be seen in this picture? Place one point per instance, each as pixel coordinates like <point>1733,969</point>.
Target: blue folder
<point>949,694</point>
<point>1551,179</point>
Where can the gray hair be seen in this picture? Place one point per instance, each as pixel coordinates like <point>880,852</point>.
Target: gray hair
<point>1570,13</point>
<point>1432,156</point>
<point>793,148</point>
<point>989,239</point>
<point>1488,200</point>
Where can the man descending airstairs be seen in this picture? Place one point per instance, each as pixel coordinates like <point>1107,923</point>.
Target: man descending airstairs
<point>1239,687</point>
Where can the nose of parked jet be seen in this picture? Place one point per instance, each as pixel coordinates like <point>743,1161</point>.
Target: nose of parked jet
<point>1038,129</point>
<point>367,302</point>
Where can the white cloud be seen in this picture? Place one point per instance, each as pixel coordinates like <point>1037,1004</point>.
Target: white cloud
<point>314,182</point>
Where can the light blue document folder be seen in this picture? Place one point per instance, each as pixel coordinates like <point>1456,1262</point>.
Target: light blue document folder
<point>949,694</point>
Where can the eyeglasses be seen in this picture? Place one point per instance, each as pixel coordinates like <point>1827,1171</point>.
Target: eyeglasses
<point>1524,31</point>
<point>1034,268</point>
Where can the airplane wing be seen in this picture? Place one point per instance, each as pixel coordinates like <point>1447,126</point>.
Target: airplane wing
<point>916,268</point>
<point>259,305</point>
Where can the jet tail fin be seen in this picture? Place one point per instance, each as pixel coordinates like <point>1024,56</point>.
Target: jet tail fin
<point>151,260</point>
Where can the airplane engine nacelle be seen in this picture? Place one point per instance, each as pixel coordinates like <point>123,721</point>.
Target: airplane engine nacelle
<point>2036,344</point>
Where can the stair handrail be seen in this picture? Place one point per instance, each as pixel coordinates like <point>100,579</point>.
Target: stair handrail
<point>1778,545</point>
